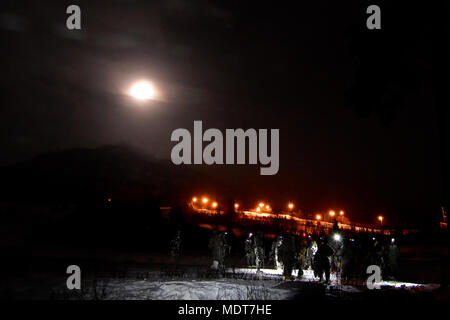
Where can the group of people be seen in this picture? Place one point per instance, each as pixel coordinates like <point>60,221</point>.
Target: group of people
<point>348,258</point>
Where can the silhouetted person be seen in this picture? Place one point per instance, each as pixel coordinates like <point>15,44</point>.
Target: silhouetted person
<point>347,260</point>
<point>393,254</point>
<point>322,260</point>
<point>301,257</point>
<point>226,244</point>
<point>287,251</point>
<point>249,250</point>
<point>275,252</point>
<point>376,254</point>
<point>259,249</point>
<point>310,252</point>
<point>217,247</point>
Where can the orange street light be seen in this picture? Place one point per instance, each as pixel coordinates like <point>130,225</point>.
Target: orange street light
<point>205,200</point>
<point>341,213</point>
<point>318,217</point>
<point>332,213</point>
<point>194,199</point>
<point>261,204</point>
<point>258,209</point>
<point>291,206</point>
<point>236,205</point>
<point>380,218</point>
<point>214,204</point>
<point>267,208</point>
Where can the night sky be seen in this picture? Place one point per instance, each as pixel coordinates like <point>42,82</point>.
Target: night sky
<point>355,108</point>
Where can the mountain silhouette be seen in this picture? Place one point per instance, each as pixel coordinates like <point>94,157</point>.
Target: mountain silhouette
<point>83,174</point>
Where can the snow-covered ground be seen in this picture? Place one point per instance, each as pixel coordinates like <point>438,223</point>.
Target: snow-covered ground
<point>236,284</point>
<point>222,289</point>
<point>308,275</point>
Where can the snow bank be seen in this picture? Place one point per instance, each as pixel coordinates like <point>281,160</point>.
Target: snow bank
<point>226,289</point>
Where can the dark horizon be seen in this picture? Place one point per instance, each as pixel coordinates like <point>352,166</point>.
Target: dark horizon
<point>42,178</point>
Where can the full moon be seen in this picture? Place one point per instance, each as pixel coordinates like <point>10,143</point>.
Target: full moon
<point>142,90</point>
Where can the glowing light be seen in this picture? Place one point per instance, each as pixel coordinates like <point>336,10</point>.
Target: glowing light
<point>318,217</point>
<point>332,213</point>
<point>290,205</point>
<point>267,208</point>
<point>205,200</point>
<point>341,213</point>
<point>236,205</point>
<point>261,204</point>
<point>380,218</point>
<point>258,209</point>
<point>214,204</point>
<point>142,90</point>
<point>194,199</point>
<point>337,237</point>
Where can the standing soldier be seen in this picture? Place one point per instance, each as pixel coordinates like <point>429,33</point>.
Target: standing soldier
<point>322,260</point>
<point>375,255</point>
<point>216,246</point>
<point>310,252</point>
<point>347,260</point>
<point>226,245</point>
<point>392,259</point>
<point>335,243</point>
<point>287,251</point>
<point>302,257</point>
<point>249,252</point>
<point>259,250</point>
<point>275,253</point>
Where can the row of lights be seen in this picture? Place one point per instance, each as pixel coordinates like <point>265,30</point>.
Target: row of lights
<point>205,202</point>
<point>261,205</point>
<point>331,213</point>
<point>341,213</point>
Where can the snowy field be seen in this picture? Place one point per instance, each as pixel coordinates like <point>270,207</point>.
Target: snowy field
<point>308,275</point>
<point>190,290</point>
<point>234,284</point>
